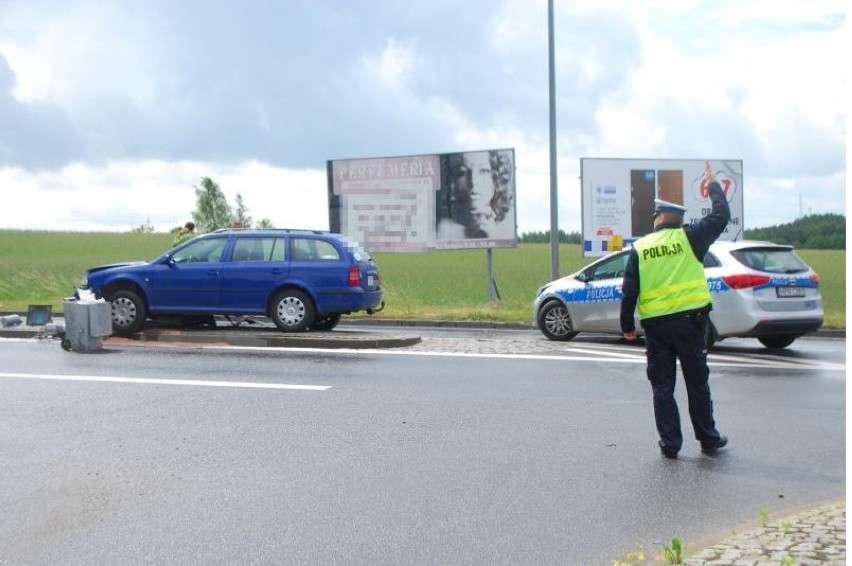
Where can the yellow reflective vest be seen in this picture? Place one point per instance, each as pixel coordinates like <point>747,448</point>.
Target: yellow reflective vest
<point>182,237</point>
<point>671,279</point>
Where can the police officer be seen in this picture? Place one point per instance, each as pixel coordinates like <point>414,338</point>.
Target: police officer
<point>665,274</point>
<point>184,234</point>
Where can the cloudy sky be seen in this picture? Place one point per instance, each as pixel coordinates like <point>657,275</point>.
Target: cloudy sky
<point>112,110</point>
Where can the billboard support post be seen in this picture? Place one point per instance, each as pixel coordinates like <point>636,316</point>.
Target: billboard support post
<point>490,261</point>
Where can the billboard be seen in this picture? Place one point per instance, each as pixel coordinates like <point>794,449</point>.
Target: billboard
<point>618,197</point>
<point>425,202</point>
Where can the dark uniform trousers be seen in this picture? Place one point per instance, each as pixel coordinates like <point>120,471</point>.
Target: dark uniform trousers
<point>680,338</point>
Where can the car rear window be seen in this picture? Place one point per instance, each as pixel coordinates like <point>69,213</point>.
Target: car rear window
<point>771,260</point>
<point>359,253</point>
<point>313,249</point>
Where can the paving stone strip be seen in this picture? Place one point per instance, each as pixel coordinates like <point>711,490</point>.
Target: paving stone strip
<point>816,536</point>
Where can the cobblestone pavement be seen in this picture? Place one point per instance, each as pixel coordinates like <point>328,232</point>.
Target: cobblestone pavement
<point>816,536</point>
<point>511,347</point>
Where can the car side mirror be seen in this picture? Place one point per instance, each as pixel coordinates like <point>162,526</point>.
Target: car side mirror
<point>582,277</point>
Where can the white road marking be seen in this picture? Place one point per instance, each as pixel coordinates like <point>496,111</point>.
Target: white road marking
<point>640,355</point>
<point>590,353</point>
<point>149,381</point>
<point>714,358</point>
<point>593,355</point>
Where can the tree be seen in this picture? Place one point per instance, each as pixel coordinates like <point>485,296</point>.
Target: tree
<point>212,209</point>
<point>265,223</point>
<point>241,217</point>
<point>146,228</point>
<point>544,237</point>
<point>814,231</point>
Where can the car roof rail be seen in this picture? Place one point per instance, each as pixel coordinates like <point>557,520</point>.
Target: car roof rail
<point>285,230</point>
<point>299,230</point>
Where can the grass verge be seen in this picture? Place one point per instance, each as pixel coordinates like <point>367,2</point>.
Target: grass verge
<point>43,267</point>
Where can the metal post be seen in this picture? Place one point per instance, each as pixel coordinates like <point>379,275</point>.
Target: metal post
<point>490,261</point>
<point>554,200</point>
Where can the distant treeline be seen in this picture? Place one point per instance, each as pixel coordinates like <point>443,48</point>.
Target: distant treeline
<point>544,237</point>
<point>812,232</point>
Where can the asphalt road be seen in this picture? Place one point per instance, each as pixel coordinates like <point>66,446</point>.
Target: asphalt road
<point>139,455</point>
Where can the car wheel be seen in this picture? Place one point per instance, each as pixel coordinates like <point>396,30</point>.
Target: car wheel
<point>292,311</point>
<point>555,322</point>
<point>326,322</point>
<point>127,310</point>
<point>777,341</point>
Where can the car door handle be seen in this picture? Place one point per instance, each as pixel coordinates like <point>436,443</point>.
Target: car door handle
<point>212,272</point>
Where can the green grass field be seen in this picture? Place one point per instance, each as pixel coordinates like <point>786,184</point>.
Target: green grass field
<point>42,267</point>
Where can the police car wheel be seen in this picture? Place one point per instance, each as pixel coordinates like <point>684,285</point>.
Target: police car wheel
<point>777,341</point>
<point>555,322</point>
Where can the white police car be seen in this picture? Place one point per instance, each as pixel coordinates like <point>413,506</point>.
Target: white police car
<point>759,290</point>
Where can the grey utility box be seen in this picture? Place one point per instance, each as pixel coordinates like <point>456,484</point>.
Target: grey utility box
<point>86,325</point>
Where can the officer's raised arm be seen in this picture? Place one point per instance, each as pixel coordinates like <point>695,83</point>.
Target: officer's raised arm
<point>709,176</point>
<point>720,212</point>
<point>709,228</point>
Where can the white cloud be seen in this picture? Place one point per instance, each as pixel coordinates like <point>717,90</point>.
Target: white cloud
<point>126,194</point>
<point>112,111</point>
<point>395,63</point>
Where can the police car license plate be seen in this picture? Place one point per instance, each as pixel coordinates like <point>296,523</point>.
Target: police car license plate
<point>784,292</point>
<point>371,281</point>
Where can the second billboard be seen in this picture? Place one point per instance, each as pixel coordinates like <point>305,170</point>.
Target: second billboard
<point>618,197</point>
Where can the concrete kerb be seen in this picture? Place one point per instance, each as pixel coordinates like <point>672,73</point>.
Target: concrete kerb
<point>252,333</point>
<point>269,338</point>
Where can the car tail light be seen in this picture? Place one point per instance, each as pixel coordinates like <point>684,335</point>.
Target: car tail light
<point>354,276</point>
<point>814,278</point>
<point>745,281</point>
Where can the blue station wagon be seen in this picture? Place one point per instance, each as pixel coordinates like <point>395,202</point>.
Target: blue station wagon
<point>300,279</point>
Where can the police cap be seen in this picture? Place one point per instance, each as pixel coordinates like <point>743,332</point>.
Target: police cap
<point>668,207</point>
